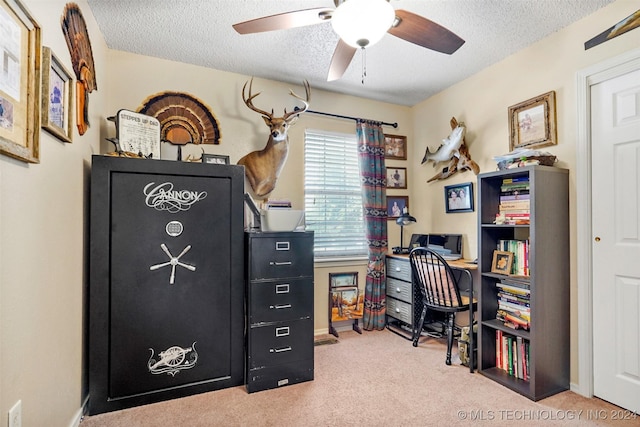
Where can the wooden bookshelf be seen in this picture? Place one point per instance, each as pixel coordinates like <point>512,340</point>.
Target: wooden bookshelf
<point>548,280</point>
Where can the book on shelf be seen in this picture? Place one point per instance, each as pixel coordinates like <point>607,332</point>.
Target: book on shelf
<point>510,188</point>
<point>515,179</point>
<point>512,355</point>
<point>516,196</point>
<point>520,250</point>
<point>519,192</point>
<point>514,184</point>
<point>499,349</point>
<point>519,373</point>
<point>517,281</point>
<point>514,303</point>
<point>508,300</point>
<point>518,205</point>
<point>515,213</point>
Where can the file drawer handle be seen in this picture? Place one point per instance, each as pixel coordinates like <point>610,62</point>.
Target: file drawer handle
<point>282,289</point>
<point>397,310</point>
<point>280,350</point>
<point>398,289</point>
<point>282,246</point>
<point>280,307</point>
<point>276,263</point>
<point>282,332</point>
<point>398,269</point>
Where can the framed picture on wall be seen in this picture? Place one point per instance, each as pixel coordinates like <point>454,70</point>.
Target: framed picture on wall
<point>57,93</point>
<point>532,123</point>
<point>395,147</point>
<point>396,177</point>
<point>396,205</point>
<point>20,48</point>
<point>458,198</point>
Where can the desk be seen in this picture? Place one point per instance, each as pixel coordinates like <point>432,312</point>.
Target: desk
<point>404,300</point>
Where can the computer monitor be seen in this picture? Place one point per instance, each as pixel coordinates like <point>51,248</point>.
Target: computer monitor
<point>447,245</point>
<point>418,240</point>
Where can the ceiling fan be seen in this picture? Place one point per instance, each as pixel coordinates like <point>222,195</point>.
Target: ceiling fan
<point>360,24</point>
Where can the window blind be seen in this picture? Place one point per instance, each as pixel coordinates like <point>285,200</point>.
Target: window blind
<point>332,194</point>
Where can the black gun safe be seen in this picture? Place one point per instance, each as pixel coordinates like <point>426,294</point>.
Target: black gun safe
<point>166,298</point>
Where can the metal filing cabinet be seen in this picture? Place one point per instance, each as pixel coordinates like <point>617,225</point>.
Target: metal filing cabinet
<point>280,309</point>
<point>401,297</point>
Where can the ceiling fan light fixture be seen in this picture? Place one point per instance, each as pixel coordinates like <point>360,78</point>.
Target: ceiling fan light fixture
<point>362,23</point>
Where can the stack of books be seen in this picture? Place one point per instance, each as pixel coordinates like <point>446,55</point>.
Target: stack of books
<point>514,307</point>
<point>520,250</point>
<point>512,355</point>
<point>514,200</point>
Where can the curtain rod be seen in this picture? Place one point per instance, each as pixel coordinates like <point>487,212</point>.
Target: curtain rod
<point>395,125</point>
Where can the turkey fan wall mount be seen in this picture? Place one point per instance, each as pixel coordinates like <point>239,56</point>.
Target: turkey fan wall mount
<point>360,24</point>
<point>184,119</point>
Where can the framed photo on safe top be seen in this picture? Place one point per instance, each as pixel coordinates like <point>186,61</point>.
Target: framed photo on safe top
<point>458,198</point>
<point>20,46</point>
<point>396,205</point>
<point>395,147</point>
<point>215,159</point>
<point>532,123</point>
<point>396,177</point>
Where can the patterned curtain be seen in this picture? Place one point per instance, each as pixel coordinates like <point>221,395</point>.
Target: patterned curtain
<point>373,175</point>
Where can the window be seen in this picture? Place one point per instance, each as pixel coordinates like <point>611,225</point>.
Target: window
<point>332,194</point>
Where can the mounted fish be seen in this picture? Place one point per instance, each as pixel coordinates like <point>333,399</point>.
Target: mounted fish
<point>454,150</point>
<point>449,147</point>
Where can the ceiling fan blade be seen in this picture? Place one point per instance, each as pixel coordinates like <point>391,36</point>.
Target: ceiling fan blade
<point>283,21</point>
<point>423,32</point>
<point>341,59</point>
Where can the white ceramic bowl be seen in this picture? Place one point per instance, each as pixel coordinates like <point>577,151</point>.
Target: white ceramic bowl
<point>281,219</point>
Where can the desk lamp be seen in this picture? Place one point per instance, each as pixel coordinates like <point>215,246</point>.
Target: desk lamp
<point>404,219</point>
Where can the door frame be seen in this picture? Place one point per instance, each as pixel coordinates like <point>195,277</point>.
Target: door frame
<point>611,68</point>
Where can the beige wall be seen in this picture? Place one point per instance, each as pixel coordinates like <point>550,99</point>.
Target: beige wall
<point>43,263</point>
<point>44,210</point>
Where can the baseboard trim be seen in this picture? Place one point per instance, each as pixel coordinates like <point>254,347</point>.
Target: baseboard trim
<point>77,418</point>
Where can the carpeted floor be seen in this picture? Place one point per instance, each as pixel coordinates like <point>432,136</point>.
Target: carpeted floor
<point>373,379</point>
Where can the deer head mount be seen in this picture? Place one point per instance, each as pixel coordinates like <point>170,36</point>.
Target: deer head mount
<point>263,167</point>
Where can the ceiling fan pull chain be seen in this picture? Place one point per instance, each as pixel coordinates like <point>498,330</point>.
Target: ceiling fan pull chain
<point>364,64</point>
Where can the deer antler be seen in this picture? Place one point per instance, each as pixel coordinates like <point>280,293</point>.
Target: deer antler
<point>306,100</point>
<point>249,101</point>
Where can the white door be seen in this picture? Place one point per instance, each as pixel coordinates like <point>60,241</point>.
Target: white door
<point>615,130</point>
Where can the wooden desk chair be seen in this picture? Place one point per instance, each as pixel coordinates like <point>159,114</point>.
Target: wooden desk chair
<point>439,286</point>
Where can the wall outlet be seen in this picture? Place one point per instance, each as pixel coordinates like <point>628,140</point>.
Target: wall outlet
<point>15,415</point>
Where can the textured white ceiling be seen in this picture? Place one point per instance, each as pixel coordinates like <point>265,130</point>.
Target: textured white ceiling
<point>199,32</point>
